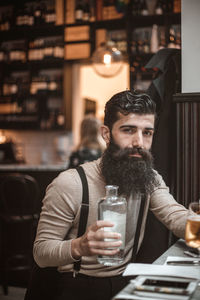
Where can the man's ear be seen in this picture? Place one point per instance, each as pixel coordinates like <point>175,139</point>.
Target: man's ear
<point>105,133</point>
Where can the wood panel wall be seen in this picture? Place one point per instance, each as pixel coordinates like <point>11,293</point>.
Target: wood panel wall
<point>188,147</point>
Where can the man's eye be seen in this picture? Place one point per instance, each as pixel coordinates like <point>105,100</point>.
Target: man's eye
<point>128,130</point>
<point>148,133</point>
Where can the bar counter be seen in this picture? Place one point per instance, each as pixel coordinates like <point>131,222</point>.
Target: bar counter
<point>43,173</point>
<point>31,167</point>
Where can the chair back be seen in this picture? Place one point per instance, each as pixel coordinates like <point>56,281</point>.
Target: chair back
<point>19,194</point>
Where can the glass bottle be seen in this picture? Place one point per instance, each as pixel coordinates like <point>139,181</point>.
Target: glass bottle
<point>172,41</point>
<point>113,208</point>
<point>143,8</point>
<point>79,12</point>
<point>38,14</point>
<point>159,8</point>
<point>86,12</point>
<point>135,8</point>
<point>30,16</point>
<point>154,39</point>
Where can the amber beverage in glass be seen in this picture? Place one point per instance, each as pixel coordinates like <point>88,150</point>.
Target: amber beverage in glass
<point>192,232</point>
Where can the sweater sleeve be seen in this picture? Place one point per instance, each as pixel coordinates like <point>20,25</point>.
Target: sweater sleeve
<point>59,217</point>
<point>172,214</point>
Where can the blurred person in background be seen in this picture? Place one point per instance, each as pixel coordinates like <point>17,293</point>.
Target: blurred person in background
<point>90,147</point>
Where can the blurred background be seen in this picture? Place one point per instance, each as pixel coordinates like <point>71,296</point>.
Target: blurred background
<point>60,61</point>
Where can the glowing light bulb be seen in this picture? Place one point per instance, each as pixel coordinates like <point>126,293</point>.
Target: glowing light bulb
<point>107,59</point>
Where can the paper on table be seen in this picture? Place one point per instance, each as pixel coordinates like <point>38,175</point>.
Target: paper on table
<point>162,270</point>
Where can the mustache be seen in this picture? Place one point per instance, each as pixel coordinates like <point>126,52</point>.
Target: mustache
<point>124,153</point>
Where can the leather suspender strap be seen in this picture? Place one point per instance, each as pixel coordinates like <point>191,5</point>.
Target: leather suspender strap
<point>139,223</point>
<point>84,212</point>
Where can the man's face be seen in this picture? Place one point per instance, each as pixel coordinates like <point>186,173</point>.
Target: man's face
<point>127,161</point>
<point>131,131</point>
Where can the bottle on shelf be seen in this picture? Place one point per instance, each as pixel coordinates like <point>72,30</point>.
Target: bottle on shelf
<point>146,45</point>
<point>38,14</point>
<point>50,16</point>
<point>25,19</point>
<point>48,12</point>
<point>133,47</point>
<point>24,16</point>
<point>10,88</point>
<point>143,8</point>
<point>159,8</point>
<point>136,8</point>
<point>19,17</point>
<point>58,51</point>
<point>140,42</point>
<point>92,10</point>
<point>134,44</point>
<point>17,54</point>
<point>170,6</point>
<point>113,208</point>
<point>79,12</point>
<point>36,50</point>
<point>3,56</point>
<point>4,22</point>
<point>48,49</point>
<point>154,39</point>
<point>172,38</point>
<point>30,16</point>
<point>162,41</point>
<point>151,6</point>
<point>86,11</point>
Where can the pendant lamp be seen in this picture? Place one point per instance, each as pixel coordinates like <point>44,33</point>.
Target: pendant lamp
<point>107,60</point>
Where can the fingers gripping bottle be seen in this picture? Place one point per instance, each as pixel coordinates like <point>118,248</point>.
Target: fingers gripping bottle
<point>114,209</point>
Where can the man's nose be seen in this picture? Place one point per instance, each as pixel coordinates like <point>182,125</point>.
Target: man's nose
<point>138,140</point>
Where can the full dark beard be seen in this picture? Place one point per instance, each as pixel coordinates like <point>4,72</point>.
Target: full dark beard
<point>131,174</point>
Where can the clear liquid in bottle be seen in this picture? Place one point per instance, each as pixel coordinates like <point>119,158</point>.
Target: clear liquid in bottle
<point>113,208</point>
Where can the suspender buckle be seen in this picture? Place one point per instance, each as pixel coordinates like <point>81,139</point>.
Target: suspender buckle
<point>85,204</point>
<point>75,273</point>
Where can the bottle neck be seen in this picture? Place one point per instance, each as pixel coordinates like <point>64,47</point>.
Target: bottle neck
<point>111,192</point>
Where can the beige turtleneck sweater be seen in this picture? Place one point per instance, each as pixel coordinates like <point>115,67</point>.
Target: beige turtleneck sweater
<point>60,216</point>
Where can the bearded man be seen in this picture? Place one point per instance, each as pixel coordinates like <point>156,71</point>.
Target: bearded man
<point>127,162</point>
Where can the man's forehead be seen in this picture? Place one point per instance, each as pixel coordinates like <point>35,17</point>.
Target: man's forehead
<point>133,118</point>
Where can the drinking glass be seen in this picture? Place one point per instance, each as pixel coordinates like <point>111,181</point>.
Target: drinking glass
<point>192,232</point>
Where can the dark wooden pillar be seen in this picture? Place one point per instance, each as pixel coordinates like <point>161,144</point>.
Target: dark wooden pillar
<point>188,147</point>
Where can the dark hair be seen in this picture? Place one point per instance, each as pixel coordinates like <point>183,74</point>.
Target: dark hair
<point>127,102</point>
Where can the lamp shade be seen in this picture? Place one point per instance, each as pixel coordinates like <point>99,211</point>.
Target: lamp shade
<point>107,60</point>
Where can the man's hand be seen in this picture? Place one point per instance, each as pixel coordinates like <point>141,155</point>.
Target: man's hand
<point>92,242</point>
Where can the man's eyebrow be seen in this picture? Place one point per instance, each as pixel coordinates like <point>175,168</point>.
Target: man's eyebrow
<point>149,128</point>
<point>133,126</point>
<point>130,126</point>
